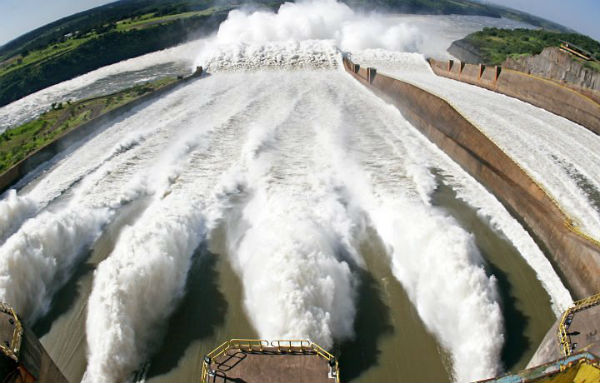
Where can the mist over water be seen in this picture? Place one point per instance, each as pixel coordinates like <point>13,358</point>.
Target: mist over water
<point>296,162</point>
<point>542,146</point>
<point>293,231</point>
<point>15,210</point>
<point>436,261</point>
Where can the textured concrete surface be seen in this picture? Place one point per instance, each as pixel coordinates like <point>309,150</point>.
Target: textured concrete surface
<point>558,65</point>
<point>584,330</point>
<point>549,349</point>
<point>241,366</point>
<point>555,97</point>
<point>576,259</point>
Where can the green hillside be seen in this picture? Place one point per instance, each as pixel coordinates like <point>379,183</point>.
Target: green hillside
<point>495,45</point>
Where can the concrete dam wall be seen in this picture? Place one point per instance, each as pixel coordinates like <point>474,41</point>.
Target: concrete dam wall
<point>559,99</point>
<point>554,63</point>
<point>575,256</point>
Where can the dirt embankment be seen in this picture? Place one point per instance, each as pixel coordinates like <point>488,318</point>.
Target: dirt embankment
<point>575,257</point>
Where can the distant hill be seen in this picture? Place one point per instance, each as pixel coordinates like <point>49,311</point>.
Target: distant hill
<point>117,31</point>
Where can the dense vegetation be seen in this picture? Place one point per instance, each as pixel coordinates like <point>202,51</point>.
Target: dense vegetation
<point>16,144</point>
<point>88,40</point>
<point>495,45</point>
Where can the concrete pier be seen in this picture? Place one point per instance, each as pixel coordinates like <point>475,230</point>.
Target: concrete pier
<point>250,360</point>
<point>22,356</point>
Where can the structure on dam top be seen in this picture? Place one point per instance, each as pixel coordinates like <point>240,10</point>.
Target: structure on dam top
<point>22,357</point>
<point>577,330</point>
<point>256,360</point>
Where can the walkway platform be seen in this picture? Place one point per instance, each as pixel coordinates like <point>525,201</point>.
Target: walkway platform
<point>581,327</point>
<point>269,362</point>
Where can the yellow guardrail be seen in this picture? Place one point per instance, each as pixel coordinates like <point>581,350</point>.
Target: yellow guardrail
<point>563,336</point>
<point>12,350</point>
<point>250,345</point>
<point>261,345</point>
<point>292,345</point>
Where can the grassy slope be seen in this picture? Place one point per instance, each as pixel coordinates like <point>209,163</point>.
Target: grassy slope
<point>495,45</point>
<point>16,144</point>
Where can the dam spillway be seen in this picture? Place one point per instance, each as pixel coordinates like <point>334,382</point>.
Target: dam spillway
<point>297,142</point>
<point>275,198</point>
<point>565,180</point>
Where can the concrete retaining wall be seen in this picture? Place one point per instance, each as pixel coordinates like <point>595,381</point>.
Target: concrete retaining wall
<point>575,257</point>
<point>543,93</point>
<point>18,171</point>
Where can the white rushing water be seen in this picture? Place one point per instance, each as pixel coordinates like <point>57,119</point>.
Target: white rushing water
<point>549,147</point>
<point>108,79</point>
<point>295,160</point>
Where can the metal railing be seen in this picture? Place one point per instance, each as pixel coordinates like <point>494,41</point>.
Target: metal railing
<point>12,351</point>
<point>567,317</point>
<point>278,346</point>
<point>292,345</point>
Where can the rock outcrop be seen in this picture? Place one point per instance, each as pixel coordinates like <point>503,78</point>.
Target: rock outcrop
<point>557,65</point>
<point>465,52</point>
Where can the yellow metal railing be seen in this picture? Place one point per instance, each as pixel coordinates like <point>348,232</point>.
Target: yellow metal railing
<point>582,304</point>
<point>261,345</point>
<point>250,345</point>
<point>12,351</point>
<point>292,345</point>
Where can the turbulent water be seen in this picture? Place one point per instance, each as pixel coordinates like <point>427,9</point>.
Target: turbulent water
<point>551,149</point>
<point>166,63</point>
<point>295,165</point>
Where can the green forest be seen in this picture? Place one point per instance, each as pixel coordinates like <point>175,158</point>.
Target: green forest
<point>495,45</point>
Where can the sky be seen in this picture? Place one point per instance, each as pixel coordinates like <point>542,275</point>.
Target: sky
<point>21,16</point>
<point>580,15</point>
<point>18,17</point>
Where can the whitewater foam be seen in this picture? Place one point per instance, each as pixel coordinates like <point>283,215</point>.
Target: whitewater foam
<point>136,288</point>
<point>29,107</point>
<point>14,210</point>
<point>157,249</point>
<point>293,257</point>
<point>295,169</point>
<point>540,139</point>
<point>305,35</point>
<point>311,54</point>
<point>36,260</point>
